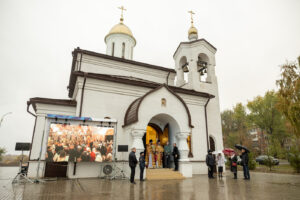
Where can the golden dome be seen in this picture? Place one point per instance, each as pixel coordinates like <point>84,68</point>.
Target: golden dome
<point>120,28</point>
<point>193,30</point>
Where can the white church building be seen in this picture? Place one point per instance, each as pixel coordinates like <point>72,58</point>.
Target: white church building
<point>137,98</point>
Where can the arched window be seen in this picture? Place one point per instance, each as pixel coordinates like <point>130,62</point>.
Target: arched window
<point>212,143</point>
<point>123,50</point>
<point>163,102</point>
<point>113,49</point>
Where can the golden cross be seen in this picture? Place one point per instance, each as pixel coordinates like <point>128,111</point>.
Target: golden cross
<point>122,9</point>
<point>192,13</point>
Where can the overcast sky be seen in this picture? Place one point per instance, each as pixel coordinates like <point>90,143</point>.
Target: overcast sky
<point>253,38</point>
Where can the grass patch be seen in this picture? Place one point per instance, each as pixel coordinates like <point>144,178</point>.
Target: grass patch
<point>281,169</point>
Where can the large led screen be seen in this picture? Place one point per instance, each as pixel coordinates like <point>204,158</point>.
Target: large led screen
<point>79,143</point>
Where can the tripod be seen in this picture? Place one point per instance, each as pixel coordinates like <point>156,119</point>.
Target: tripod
<point>22,174</point>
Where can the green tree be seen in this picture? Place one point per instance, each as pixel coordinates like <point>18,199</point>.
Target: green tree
<point>227,122</point>
<point>228,130</point>
<point>2,152</point>
<point>294,158</point>
<point>289,94</point>
<point>235,126</point>
<point>241,124</point>
<point>265,115</point>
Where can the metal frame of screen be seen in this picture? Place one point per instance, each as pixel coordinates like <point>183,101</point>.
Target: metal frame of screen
<point>106,123</point>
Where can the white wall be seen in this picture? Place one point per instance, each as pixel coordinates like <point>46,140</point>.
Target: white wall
<point>94,64</point>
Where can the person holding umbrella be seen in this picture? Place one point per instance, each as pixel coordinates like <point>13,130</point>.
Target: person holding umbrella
<point>245,161</point>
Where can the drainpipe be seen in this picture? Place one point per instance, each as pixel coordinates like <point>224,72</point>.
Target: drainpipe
<point>82,93</point>
<point>168,78</point>
<point>205,110</point>
<point>28,105</point>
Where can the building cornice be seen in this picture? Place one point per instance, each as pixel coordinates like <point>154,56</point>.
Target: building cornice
<point>192,42</point>
<point>130,81</point>
<point>60,102</point>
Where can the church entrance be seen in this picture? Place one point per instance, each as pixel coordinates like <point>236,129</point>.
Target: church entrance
<point>156,142</point>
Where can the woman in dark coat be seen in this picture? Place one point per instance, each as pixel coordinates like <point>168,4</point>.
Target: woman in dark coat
<point>233,164</point>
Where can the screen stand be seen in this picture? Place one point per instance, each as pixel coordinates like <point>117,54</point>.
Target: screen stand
<point>21,176</point>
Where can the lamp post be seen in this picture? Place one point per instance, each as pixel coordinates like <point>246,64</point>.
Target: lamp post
<point>2,118</point>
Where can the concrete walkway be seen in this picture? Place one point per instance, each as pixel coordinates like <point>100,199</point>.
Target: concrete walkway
<point>261,186</point>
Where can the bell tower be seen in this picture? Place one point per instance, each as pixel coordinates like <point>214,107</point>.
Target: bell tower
<point>195,62</point>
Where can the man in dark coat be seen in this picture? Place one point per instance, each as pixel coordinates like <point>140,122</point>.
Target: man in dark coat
<point>142,165</point>
<point>234,161</point>
<point>245,160</point>
<point>176,156</point>
<point>132,164</point>
<point>210,162</point>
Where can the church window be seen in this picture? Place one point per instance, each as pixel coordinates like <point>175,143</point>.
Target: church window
<point>113,49</point>
<point>163,102</point>
<point>123,50</point>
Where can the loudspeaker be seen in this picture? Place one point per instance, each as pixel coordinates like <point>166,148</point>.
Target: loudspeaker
<point>122,148</point>
<point>20,146</point>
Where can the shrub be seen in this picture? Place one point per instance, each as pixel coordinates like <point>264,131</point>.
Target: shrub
<point>2,152</point>
<point>269,162</point>
<point>252,162</point>
<point>294,158</point>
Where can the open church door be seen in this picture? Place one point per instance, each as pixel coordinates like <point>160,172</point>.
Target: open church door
<point>164,138</point>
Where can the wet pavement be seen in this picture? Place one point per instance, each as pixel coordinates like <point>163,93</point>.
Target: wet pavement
<point>261,186</point>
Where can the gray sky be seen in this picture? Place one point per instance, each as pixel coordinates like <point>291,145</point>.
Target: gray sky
<point>253,38</point>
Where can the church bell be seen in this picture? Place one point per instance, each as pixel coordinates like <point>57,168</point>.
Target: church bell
<point>185,67</point>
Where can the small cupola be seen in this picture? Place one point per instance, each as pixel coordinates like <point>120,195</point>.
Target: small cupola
<point>193,32</point>
<point>120,41</point>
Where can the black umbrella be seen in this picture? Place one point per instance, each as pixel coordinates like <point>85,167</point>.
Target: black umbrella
<point>240,147</point>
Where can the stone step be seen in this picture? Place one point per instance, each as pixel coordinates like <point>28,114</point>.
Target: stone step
<point>163,174</point>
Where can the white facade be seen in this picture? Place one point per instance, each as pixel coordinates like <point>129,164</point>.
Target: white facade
<point>104,86</point>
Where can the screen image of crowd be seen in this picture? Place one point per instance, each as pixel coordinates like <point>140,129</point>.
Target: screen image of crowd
<point>79,143</point>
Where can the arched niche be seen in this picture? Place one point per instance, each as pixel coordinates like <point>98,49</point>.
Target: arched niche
<point>180,72</point>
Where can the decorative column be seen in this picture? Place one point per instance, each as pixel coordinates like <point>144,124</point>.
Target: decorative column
<point>137,142</point>
<point>137,136</point>
<point>183,145</point>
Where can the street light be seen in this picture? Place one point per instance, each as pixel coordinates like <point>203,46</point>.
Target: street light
<point>3,117</point>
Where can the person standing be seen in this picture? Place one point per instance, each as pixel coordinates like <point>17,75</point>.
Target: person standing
<point>220,163</point>
<point>245,160</point>
<point>159,152</point>
<point>233,165</point>
<point>142,165</point>
<point>167,154</point>
<point>150,154</point>
<point>132,164</point>
<point>210,162</point>
<point>176,156</point>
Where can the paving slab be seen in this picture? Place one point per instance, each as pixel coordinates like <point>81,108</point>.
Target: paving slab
<point>261,186</point>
